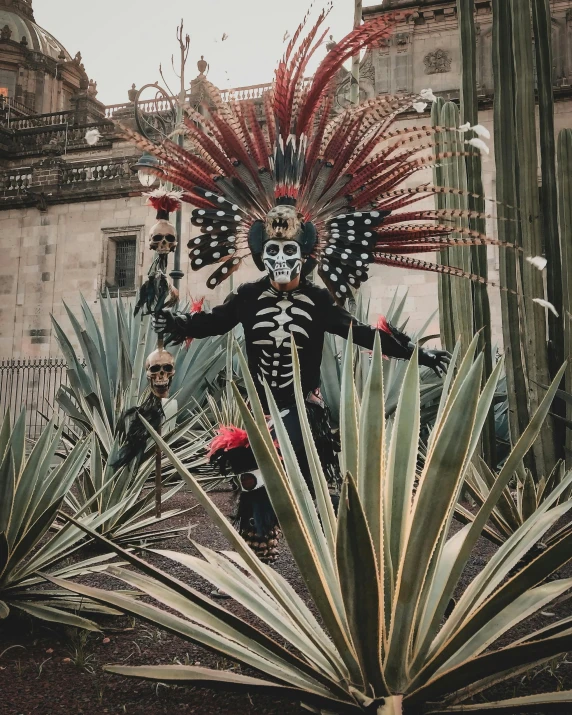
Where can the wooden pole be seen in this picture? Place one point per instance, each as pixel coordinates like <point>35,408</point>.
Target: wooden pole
<point>158,455</point>
<point>158,477</point>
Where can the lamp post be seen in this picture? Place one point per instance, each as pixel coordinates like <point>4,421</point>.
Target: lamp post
<point>354,86</point>
<point>158,118</point>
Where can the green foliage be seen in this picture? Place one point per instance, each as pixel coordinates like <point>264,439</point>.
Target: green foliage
<point>393,370</point>
<point>531,361</point>
<point>380,574</point>
<point>565,222</point>
<point>107,373</point>
<point>519,500</point>
<point>32,490</point>
<point>111,381</point>
<point>119,497</point>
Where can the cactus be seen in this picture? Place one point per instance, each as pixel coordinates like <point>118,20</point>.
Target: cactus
<point>524,325</point>
<point>447,327</point>
<point>478,254</point>
<point>505,161</point>
<point>565,222</point>
<point>549,195</point>
<point>454,175</point>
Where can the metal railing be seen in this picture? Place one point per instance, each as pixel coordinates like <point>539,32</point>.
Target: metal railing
<point>32,384</point>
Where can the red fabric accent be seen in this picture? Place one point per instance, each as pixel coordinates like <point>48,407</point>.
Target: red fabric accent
<point>228,437</point>
<point>197,305</point>
<point>382,324</point>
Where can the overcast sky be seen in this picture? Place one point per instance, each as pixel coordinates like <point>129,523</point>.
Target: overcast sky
<point>125,41</point>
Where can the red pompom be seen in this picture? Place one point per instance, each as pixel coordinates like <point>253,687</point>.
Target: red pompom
<point>228,437</point>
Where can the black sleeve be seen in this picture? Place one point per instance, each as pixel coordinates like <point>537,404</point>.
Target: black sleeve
<point>394,343</point>
<point>219,321</point>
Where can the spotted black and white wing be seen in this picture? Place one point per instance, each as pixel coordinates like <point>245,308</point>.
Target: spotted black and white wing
<point>348,251</point>
<point>219,239</point>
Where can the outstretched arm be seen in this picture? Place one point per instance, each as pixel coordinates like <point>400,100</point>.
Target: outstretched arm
<point>394,343</point>
<point>178,327</point>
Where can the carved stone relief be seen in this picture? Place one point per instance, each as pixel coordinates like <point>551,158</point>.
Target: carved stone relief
<point>437,62</point>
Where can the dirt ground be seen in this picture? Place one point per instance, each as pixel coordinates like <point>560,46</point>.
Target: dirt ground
<point>45,670</point>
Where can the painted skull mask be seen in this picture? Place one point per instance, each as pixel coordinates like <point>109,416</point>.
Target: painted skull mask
<point>283,223</point>
<point>160,367</point>
<point>163,238</point>
<point>283,260</point>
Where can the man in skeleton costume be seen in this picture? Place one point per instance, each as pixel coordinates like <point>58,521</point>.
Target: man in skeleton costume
<point>299,188</point>
<point>283,305</point>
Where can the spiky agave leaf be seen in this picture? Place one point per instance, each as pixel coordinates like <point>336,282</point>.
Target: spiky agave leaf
<point>32,491</point>
<point>408,659</point>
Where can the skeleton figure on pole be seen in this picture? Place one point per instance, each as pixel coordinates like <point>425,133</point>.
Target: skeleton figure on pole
<point>302,189</point>
<point>154,296</point>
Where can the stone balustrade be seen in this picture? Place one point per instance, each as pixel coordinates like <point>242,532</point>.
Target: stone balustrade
<point>80,172</point>
<point>16,180</point>
<point>40,120</point>
<point>61,181</point>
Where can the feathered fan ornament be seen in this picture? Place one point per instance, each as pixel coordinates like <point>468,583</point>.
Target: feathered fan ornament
<point>347,175</point>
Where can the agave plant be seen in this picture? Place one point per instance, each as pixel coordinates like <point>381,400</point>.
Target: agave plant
<point>107,375</point>
<point>110,379</point>
<point>516,504</point>
<point>32,490</point>
<point>120,498</point>
<point>393,370</point>
<point>380,574</point>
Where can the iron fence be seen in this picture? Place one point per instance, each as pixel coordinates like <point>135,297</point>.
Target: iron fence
<point>31,384</point>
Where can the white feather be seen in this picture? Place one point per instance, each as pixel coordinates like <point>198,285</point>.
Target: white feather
<point>481,131</point>
<point>465,127</point>
<point>545,304</point>
<point>419,106</point>
<point>538,262</point>
<point>480,145</point>
<point>428,95</point>
<point>92,136</point>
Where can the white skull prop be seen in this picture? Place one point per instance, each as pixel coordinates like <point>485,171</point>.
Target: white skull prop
<point>160,367</point>
<point>283,222</point>
<point>163,238</point>
<point>283,260</point>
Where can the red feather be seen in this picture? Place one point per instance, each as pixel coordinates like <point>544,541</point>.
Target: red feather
<point>228,437</point>
<point>166,202</point>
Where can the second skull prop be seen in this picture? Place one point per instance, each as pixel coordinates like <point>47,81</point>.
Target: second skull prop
<point>163,238</point>
<point>160,368</point>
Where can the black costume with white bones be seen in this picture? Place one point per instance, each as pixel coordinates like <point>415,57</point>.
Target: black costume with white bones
<point>270,318</point>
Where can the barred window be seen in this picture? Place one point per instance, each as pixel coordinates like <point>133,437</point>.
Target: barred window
<point>121,263</point>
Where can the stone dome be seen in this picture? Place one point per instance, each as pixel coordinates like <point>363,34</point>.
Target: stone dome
<point>19,17</point>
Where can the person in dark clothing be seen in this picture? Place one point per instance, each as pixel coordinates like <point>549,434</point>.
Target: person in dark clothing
<point>281,306</point>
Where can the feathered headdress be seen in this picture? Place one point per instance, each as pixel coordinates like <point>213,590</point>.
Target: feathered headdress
<point>344,173</point>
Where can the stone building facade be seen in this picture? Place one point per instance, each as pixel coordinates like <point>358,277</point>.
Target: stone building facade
<point>72,219</point>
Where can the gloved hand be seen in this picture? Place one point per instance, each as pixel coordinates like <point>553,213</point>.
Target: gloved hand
<point>437,360</point>
<point>160,321</point>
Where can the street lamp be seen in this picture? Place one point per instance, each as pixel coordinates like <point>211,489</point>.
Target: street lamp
<point>156,119</point>
<point>146,178</point>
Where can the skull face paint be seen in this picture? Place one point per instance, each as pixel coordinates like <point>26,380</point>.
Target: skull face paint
<point>160,367</point>
<point>283,223</point>
<point>283,260</point>
<point>163,238</point>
